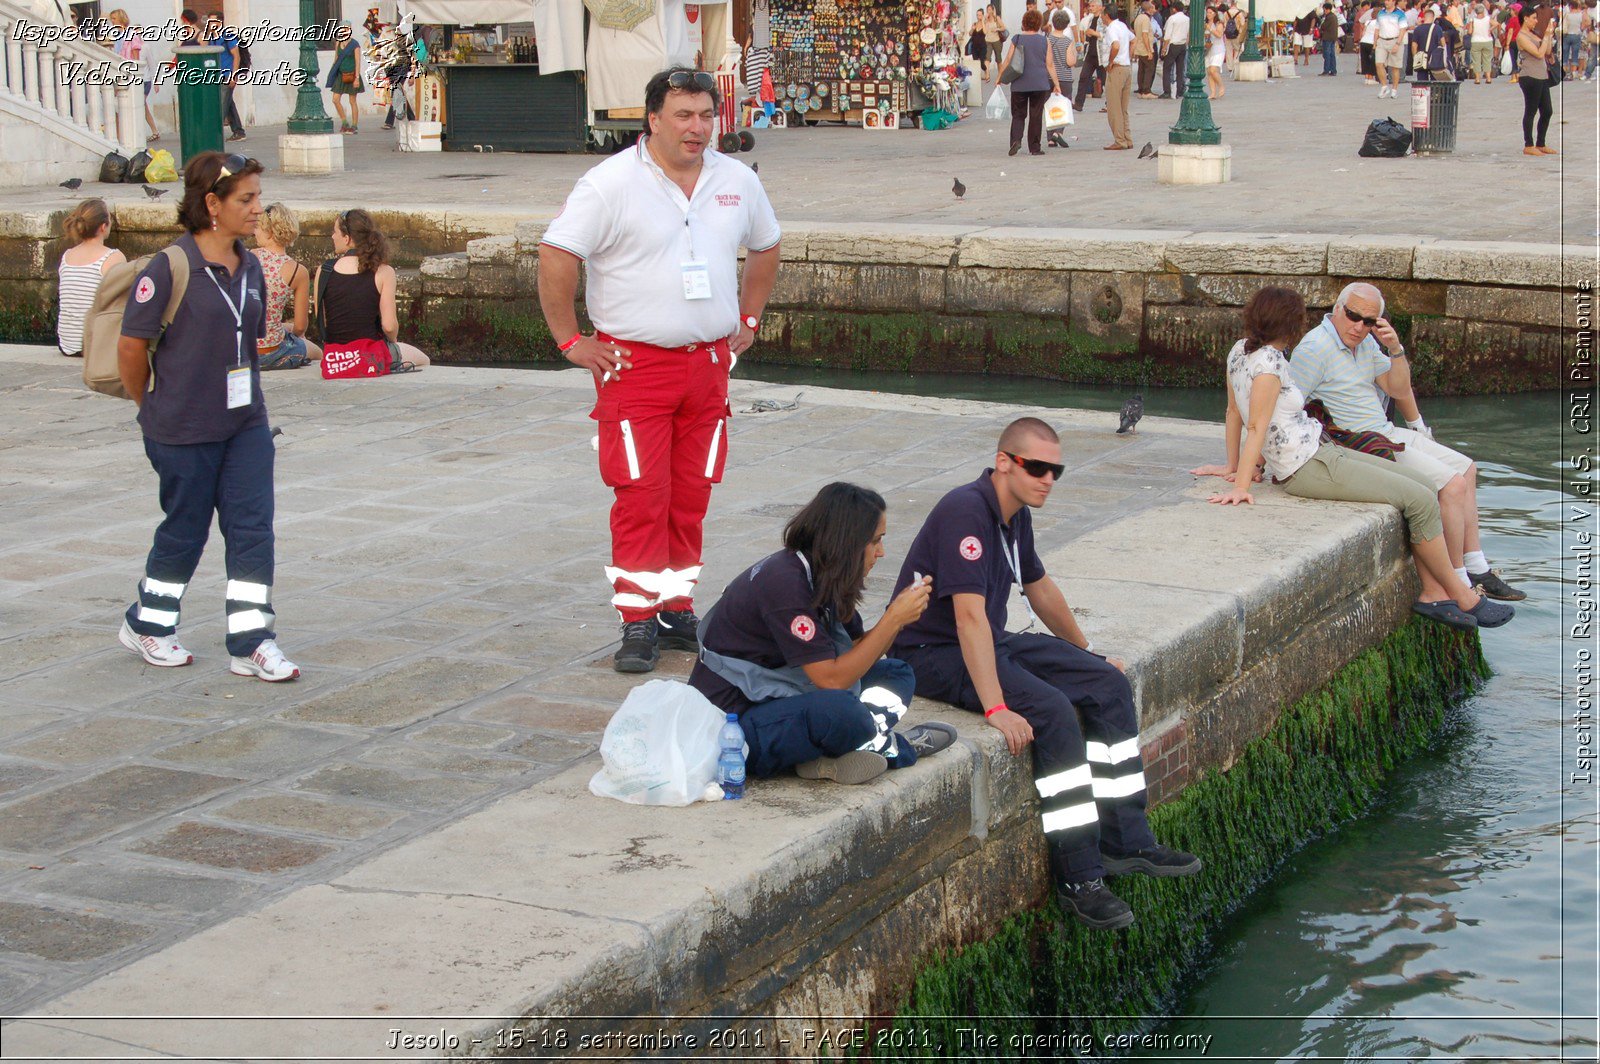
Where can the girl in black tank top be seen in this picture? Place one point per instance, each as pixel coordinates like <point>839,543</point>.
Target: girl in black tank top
<point>351,311</point>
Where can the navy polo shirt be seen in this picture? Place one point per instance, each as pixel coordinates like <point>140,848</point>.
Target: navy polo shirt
<point>765,617</point>
<point>965,548</point>
<point>190,401</point>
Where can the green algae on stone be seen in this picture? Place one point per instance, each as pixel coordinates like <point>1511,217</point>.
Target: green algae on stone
<point>1322,763</point>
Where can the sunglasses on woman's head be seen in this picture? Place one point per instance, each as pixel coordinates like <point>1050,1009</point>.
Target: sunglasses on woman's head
<point>233,164</point>
<point>1036,467</point>
<point>1358,318</point>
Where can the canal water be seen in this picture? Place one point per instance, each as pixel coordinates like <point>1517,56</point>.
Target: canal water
<point>1457,920</point>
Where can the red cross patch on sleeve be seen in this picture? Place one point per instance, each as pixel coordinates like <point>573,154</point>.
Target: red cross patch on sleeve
<point>803,628</point>
<point>971,549</point>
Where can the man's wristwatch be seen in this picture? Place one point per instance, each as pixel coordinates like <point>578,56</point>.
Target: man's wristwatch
<point>750,321</point>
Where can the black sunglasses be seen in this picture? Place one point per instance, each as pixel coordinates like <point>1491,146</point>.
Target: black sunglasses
<point>698,80</point>
<point>1034,467</point>
<point>231,166</point>
<point>1354,317</point>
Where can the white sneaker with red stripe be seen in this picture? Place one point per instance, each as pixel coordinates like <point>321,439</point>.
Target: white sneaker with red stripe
<point>267,663</point>
<point>162,650</point>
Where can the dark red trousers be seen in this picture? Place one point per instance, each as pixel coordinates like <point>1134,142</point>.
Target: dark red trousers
<point>663,443</point>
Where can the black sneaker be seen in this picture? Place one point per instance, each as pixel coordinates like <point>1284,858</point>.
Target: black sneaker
<point>1491,584</point>
<point>1094,905</point>
<point>1160,861</point>
<point>638,652</point>
<point>680,630</point>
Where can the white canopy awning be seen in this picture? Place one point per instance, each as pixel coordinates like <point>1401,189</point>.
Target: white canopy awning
<point>470,12</point>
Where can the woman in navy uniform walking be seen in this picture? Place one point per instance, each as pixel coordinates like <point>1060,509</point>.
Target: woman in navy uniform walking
<point>204,421</point>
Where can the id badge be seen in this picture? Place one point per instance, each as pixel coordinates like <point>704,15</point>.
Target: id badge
<point>696,281</point>
<point>238,387</point>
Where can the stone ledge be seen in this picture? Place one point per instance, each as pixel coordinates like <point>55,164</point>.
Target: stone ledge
<point>1101,250</point>
<point>1504,263</point>
<point>661,911</point>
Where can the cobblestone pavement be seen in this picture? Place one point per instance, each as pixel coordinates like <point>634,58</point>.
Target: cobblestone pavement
<point>1295,171</point>
<point>440,539</point>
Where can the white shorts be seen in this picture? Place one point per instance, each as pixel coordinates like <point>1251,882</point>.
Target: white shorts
<point>1391,53</point>
<point>1303,40</point>
<point>1433,460</point>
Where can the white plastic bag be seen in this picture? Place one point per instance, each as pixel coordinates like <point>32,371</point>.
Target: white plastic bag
<point>1057,112</point>
<point>1505,61</point>
<point>660,748</point>
<point>997,107</point>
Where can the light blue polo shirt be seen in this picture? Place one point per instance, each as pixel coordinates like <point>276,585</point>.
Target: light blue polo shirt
<point>1325,369</point>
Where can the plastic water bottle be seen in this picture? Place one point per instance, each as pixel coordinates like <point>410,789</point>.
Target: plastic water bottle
<point>730,763</point>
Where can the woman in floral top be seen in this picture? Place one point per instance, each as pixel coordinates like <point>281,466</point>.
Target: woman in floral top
<point>1265,404</point>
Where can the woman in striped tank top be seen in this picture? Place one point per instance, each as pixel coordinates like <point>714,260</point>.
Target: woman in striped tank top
<point>82,266</point>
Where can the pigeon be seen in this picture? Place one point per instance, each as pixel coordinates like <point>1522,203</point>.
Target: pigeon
<point>755,168</point>
<point>276,432</point>
<point>153,192</point>
<point>959,189</point>
<point>1132,411</point>
<point>1147,151</point>
<point>72,184</point>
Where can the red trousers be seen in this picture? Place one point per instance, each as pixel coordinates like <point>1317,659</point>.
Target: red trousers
<point>663,443</point>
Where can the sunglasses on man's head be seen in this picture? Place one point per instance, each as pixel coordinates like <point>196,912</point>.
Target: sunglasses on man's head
<point>1035,467</point>
<point>1358,318</point>
<point>697,80</point>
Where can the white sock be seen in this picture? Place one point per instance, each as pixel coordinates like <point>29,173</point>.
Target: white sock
<point>1476,562</point>
<point>1462,573</point>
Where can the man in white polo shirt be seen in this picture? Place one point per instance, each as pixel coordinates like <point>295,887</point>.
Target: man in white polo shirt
<point>1119,78</point>
<point>658,230</point>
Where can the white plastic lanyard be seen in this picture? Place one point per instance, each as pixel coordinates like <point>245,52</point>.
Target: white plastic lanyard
<point>1013,556</point>
<point>237,310</point>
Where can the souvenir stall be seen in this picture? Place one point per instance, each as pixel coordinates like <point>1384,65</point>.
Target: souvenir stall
<point>555,75</point>
<point>839,60</point>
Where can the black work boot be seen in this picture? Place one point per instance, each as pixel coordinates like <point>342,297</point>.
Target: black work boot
<point>680,630</point>
<point>638,652</point>
<point>1094,905</point>
<point>1160,861</point>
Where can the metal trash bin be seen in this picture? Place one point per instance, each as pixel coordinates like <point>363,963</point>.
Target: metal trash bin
<point>1435,106</point>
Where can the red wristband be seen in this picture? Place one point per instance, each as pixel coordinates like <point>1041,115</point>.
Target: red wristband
<point>991,711</point>
<point>570,344</point>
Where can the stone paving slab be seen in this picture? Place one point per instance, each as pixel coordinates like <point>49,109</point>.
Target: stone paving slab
<point>1294,163</point>
<point>202,817</point>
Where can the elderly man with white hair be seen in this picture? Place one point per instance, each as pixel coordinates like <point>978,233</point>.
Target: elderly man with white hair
<point>1338,362</point>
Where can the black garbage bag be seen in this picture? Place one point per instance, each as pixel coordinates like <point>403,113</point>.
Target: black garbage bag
<point>136,165</point>
<point>114,168</point>
<point>1385,139</point>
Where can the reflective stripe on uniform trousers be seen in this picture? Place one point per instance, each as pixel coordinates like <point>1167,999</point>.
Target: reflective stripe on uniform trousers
<point>641,590</point>
<point>1106,758</point>
<point>881,698</point>
<point>248,606</point>
<point>159,603</point>
<point>1065,799</point>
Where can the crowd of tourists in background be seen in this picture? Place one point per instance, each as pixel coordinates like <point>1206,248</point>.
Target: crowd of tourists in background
<point>1115,51</point>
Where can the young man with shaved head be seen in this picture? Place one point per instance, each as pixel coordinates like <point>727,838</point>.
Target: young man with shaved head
<point>1339,362</point>
<point>1051,691</point>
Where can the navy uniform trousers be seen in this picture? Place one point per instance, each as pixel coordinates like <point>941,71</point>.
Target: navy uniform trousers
<point>1086,761</point>
<point>786,732</point>
<point>231,479</point>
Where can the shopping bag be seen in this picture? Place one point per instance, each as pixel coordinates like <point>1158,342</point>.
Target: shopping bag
<point>161,168</point>
<point>1013,69</point>
<point>1505,62</point>
<point>1057,112</point>
<point>356,359</point>
<point>660,747</point>
<point>1385,139</point>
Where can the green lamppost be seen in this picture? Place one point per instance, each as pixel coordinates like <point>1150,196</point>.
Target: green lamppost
<point>1195,125</point>
<point>309,115</point>
<point>1251,53</point>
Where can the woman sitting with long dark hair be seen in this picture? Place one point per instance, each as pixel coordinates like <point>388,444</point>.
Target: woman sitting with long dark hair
<point>785,648</point>
<point>354,291</point>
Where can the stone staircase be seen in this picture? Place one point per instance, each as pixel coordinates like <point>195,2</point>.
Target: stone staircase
<point>63,104</point>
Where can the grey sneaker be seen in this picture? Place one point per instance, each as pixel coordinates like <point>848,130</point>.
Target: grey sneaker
<point>858,766</point>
